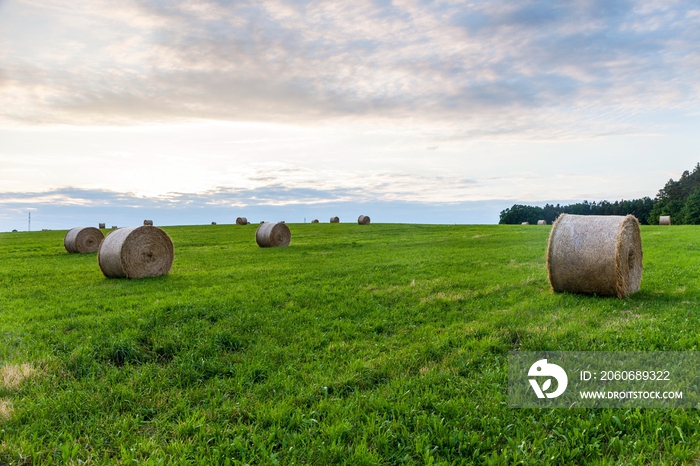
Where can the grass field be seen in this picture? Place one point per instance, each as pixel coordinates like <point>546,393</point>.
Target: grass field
<point>380,344</point>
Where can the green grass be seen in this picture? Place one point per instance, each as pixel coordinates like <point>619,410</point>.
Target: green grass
<point>381,344</point>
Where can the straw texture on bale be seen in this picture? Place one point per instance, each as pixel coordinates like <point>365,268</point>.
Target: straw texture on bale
<point>83,240</point>
<point>102,225</point>
<point>542,222</point>
<point>525,223</point>
<point>335,220</point>
<point>148,222</point>
<point>665,220</point>
<point>363,220</point>
<point>241,221</point>
<point>595,254</point>
<point>272,235</point>
<point>314,221</point>
<point>136,252</point>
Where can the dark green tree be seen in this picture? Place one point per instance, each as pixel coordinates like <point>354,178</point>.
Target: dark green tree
<point>521,213</point>
<point>690,213</point>
<point>671,199</point>
<point>679,199</point>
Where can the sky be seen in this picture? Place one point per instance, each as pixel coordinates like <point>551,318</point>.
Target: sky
<point>188,112</point>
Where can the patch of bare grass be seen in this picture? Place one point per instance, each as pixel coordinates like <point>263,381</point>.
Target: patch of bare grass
<point>5,410</point>
<point>13,375</point>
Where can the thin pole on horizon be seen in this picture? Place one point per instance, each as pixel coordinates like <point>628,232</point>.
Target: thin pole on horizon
<point>29,222</point>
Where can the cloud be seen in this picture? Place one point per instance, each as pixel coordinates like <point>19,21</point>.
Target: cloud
<point>473,69</point>
<point>66,208</point>
<point>277,188</point>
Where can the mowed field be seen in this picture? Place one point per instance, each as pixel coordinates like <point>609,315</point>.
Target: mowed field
<point>380,344</point>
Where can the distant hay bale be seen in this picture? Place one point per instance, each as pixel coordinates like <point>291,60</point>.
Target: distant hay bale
<point>213,223</point>
<point>335,220</point>
<point>314,221</point>
<point>241,221</point>
<point>136,252</point>
<point>272,235</point>
<point>525,223</point>
<point>148,222</point>
<point>665,220</point>
<point>595,254</point>
<point>363,220</point>
<point>83,240</point>
<point>102,225</point>
<point>114,227</point>
<point>542,222</point>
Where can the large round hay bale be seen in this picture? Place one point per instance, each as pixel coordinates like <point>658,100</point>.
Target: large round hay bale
<point>525,223</point>
<point>363,220</point>
<point>241,221</point>
<point>102,225</point>
<point>272,235</point>
<point>314,220</point>
<point>542,222</point>
<point>83,240</point>
<point>665,220</point>
<point>213,223</point>
<point>148,222</point>
<point>595,254</point>
<point>136,252</point>
<point>335,220</point>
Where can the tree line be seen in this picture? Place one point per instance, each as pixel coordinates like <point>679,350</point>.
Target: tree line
<point>679,199</point>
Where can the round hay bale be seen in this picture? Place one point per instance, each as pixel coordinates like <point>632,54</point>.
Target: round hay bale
<point>335,220</point>
<point>213,223</point>
<point>363,220</point>
<point>83,240</point>
<point>102,225</point>
<point>241,221</point>
<point>542,222</point>
<point>114,227</point>
<point>525,223</point>
<point>272,235</point>
<point>595,254</point>
<point>136,252</point>
<point>665,220</point>
<point>148,222</point>
<point>314,221</point>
